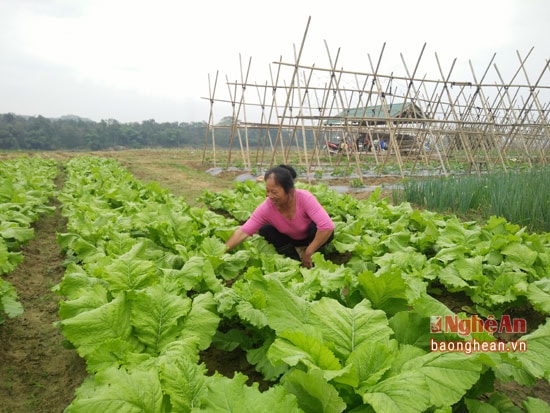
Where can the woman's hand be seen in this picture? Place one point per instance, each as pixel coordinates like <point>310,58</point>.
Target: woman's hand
<point>236,238</point>
<point>306,259</point>
<point>320,238</point>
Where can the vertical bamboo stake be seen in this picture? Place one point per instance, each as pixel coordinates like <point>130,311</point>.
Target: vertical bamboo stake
<point>346,123</point>
<point>235,127</point>
<point>302,100</point>
<point>263,122</point>
<point>244,81</point>
<point>411,77</point>
<point>433,106</point>
<point>315,151</point>
<point>465,144</point>
<point>384,106</point>
<point>489,124</point>
<point>498,105</point>
<point>274,108</point>
<point>294,74</point>
<point>533,95</point>
<point>233,121</point>
<point>515,131</point>
<point>210,126</point>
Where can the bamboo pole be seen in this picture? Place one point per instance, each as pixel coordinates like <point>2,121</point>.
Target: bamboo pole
<point>346,137</point>
<point>302,124</point>
<point>533,94</point>
<point>486,121</point>
<point>393,140</point>
<point>262,139</point>
<point>509,112</point>
<point>489,123</point>
<point>274,110</point>
<point>294,75</point>
<point>406,97</point>
<point>210,127</point>
<point>403,78</point>
<point>242,104</point>
<point>465,144</point>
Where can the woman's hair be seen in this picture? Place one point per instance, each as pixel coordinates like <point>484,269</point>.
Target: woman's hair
<point>291,170</point>
<point>283,175</point>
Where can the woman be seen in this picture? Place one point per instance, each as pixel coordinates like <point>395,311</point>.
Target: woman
<point>288,218</point>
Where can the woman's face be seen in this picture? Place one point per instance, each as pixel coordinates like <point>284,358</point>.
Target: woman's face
<point>275,192</point>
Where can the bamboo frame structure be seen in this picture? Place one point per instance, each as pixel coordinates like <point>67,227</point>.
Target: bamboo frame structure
<point>471,126</point>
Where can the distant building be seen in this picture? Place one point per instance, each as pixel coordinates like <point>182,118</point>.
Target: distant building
<point>378,115</point>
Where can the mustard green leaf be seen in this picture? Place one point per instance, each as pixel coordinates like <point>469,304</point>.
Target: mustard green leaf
<point>410,327</point>
<point>385,290</point>
<point>10,230</point>
<point>129,274</point>
<point>284,309</point>
<point>330,276</point>
<point>8,259</point>
<point>112,353</point>
<point>313,392</point>
<point>184,381</point>
<point>448,375</point>
<point>535,360</point>
<point>535,405</point>
<point>369,362</point>
<point>118,390</point>
<point>8,300</point>
<point>88,329</point>
<point>348,328</point>
<point>233,395</point>
<point>202,320</point>
<point>95,296</point>
<point>538,294</point>
<point>306,349</point>
<point>155,316</point>
<point>520,254</point>
<point>407,392</point>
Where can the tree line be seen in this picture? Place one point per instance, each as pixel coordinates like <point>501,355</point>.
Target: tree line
<point>74,133</point>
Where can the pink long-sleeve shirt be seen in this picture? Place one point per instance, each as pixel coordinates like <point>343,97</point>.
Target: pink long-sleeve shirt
<point>308,210</point>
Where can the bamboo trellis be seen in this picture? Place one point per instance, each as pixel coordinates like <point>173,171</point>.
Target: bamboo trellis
<point>468,126</point>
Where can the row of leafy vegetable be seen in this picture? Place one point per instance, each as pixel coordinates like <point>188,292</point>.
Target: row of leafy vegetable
<point>398,254</point>
<point>499,265</point>
<point>26,187</point>
<point>149,285</point>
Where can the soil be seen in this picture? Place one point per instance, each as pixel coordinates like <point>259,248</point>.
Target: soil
<point>37,374</point>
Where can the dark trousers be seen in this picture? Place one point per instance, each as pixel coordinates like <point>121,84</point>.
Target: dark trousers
<point>286,245</point>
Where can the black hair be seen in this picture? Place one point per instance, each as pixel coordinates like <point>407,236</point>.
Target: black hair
<point>283,175</point>
<point>290,169</point>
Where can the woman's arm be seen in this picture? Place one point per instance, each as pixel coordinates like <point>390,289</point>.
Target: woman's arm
<point>235,239</point>
<point>318,241</point>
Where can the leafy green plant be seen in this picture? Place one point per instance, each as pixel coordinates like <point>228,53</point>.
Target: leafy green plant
<point>148,283</point>
<point>26,186</point>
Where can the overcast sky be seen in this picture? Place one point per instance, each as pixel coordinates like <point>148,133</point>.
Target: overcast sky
<point>133,60</point>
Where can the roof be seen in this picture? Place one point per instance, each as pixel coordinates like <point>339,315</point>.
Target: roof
<point>377,114</point>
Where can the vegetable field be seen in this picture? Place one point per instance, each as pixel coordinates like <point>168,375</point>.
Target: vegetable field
<point>151,314</point>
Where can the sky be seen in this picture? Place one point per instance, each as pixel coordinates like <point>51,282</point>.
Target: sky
<point>136,60</point>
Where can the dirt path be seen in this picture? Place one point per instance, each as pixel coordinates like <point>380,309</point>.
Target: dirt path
<point>37,374</point>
